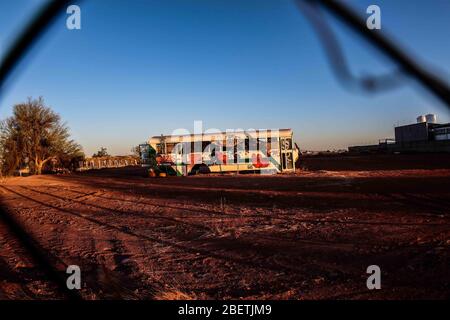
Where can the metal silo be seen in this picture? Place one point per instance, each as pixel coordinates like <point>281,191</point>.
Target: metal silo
<point>431,118</point>
<point>421,119</point>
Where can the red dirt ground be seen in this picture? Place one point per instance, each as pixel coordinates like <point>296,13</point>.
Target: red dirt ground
<point>305,236</point>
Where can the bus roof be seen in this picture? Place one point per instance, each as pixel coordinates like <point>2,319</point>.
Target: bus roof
<point>260,133</point>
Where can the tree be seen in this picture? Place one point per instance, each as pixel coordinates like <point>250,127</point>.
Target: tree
<point>33,136</point>
<point>136,151</point>
<point>101,153</point>
<point>11,150</point>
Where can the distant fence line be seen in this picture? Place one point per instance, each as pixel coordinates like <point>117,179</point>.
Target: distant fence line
<point>107,162</point>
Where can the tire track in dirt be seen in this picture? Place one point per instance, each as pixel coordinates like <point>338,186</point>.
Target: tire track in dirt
<point>304,242</point>
<point>338,245</point>
<point>287,216</point>
<point>328,249</point>
<point>251,263</point>
<point>50,270</point>
<point>318,200</point>
<point>101,257</point>
<point>185,259</point>
<point>322,267</point>
<point>118,212</point>
<point>434,205</point>
<point>20,277</point>
<point>101,275</point>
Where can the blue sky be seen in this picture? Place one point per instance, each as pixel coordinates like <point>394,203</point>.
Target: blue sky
<point>141,68</point>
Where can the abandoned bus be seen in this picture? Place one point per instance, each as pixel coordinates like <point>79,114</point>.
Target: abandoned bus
<point>264,151</point>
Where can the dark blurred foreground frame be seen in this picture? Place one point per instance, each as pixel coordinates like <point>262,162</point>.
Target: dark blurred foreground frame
<point>30,35</point>
<point>435,85</point>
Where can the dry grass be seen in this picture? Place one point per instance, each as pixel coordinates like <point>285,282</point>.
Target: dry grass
<point>174,295</point>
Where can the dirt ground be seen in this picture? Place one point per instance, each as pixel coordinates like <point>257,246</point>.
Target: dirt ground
<point>311,235</point>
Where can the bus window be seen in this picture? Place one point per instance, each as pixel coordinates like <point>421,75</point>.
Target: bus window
<point>205,145</point>
<point>169,147</point>
<point>159,148</point>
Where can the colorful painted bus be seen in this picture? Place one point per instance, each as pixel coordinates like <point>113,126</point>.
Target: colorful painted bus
<point>263,151</point>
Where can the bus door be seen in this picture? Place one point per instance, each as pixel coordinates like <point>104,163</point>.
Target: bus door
<point>287,157</point>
